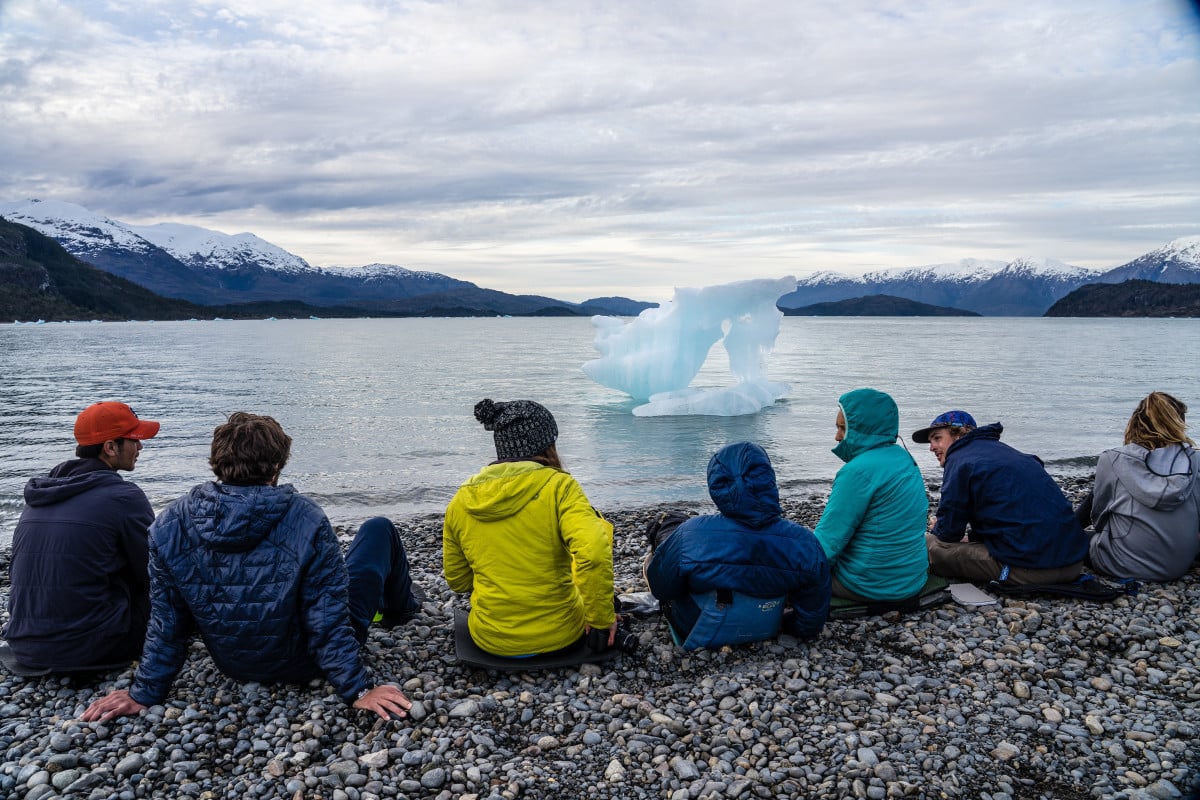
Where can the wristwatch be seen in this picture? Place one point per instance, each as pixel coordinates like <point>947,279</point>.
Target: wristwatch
<point>362,694</point>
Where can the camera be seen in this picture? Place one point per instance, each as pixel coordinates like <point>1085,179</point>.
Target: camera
<point>624,640</point>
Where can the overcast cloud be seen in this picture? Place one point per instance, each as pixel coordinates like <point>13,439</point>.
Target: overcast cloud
<point>580,149</point>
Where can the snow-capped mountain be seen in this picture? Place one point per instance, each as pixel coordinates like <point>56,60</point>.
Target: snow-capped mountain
<point>1022,287</point>
<point>207,249</point>
<point>210,267</point>
<point>1175,262</point>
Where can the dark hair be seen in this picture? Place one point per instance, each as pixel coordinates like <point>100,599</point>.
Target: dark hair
<point>249,450</point>
<point>94,450</point>
<point>549,458</point>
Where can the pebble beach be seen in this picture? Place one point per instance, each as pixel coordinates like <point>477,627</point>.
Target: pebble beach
<point>1030,698</point>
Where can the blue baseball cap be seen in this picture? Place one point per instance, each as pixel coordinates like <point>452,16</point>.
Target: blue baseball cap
<point>951,419</point>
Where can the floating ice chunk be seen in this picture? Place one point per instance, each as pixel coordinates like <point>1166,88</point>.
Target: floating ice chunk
<point>748,397</point>
<point>662,349</point>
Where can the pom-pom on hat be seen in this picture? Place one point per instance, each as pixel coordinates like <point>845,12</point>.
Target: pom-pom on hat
<point>102,422</point>
<point>522,428</point>
<point>951,419</point>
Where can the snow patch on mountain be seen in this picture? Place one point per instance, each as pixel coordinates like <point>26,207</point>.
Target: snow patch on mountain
<point>75,227</point>
<point>1185,250</point>
<point>201,247</point>
<point>1049,268</point>
<point>381,272</point>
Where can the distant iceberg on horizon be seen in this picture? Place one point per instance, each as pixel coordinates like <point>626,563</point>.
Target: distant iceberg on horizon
<point>655,356</point>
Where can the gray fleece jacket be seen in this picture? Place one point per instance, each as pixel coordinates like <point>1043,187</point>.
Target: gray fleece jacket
<point>1146,511</point>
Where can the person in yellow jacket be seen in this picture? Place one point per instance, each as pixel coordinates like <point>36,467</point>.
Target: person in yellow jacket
<point>523,539</point>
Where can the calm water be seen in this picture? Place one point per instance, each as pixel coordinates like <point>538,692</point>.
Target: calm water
<point>380,410</point>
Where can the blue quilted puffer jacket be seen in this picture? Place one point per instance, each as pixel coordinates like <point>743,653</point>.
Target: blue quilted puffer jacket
<point>748,548</point>
<point>258,572</point>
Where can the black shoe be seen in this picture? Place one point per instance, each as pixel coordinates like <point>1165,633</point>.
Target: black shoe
<point>388,619</point>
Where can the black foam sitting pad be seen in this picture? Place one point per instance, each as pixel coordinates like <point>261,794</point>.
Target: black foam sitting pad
<point>470,653</point>
<point>14,667</point>
<point>935,592</point>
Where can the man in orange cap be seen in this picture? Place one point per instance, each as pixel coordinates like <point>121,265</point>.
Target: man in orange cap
<point>80,590</point>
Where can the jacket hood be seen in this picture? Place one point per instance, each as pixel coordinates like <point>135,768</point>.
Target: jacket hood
<point>741,481</point>
<point>68,479</point>
<point>499,491</point>
<point>1161,479</point>
<point>872,420</point>
<point>234,519</point>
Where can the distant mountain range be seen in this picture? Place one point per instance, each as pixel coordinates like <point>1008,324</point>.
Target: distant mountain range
<point>39,280</point>
<point>1023,287</point>
<point>211,268</point>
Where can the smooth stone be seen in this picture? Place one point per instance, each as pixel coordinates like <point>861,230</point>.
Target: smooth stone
<point>434,778</point>
<point>134,762</point>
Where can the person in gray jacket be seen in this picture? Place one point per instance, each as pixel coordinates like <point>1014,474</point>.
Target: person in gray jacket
<point>1145,507</point>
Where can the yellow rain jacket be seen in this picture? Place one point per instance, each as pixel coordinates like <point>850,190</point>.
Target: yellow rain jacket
<point>537,558</point>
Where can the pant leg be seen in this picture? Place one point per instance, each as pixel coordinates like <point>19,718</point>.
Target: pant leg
<point>379,575</point>
<point>1026,576</point>
<point>970,560</point>
<point>129,646</point>
<point>841,592</point>
<point>1083,511</point>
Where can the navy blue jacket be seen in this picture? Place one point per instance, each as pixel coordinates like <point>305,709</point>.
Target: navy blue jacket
<point>748,548</point>
<point>1012,505</point>
<point>78,563</point>
<point>258,571</point>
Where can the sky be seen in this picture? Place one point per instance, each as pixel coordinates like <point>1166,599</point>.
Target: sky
<point>582,149</point>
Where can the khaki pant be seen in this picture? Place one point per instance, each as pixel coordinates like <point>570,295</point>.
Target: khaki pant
<point>971,560</point>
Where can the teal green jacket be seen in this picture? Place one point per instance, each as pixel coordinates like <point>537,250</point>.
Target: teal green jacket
<point>873,527</point>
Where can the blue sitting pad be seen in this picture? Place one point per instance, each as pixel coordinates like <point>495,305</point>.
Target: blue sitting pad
<point>935,592</point>
<point>470,653</point>
<point>725,618</point>
<point>14,667</point>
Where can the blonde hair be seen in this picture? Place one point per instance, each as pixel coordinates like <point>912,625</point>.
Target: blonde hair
<point>1157,422</point>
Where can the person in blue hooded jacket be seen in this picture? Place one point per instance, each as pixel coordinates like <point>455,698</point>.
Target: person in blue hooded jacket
<point>873,526</point>
<point>256,569</point>
<point>746,573</point>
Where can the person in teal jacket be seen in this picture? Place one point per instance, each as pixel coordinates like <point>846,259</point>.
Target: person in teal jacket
<point>873,527</point>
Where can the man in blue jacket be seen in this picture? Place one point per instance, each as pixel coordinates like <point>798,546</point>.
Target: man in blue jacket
<point>257,570</point>
<point>746,573</point>
<point>80,590</point>
<point>1022,527</point>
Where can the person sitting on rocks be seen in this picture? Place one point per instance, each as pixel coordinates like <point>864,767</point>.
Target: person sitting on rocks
<point>746,573</point>
<point>80,587</point>
<point>257,570</point>
<point>522,538</point>
<point>1145,508</point>
<point>1022,528</point>
<point>873,526</point>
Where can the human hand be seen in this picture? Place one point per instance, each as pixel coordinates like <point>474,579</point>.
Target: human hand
<point>591,637</point>
<point>116,703</point>
<point>385,700</point>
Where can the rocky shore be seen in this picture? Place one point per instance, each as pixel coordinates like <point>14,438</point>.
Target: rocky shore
<point>1048,698</point>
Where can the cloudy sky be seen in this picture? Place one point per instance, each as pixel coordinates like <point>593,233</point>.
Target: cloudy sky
<point>584,148</point>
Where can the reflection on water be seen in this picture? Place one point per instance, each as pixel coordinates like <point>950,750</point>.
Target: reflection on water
<point>380,410</point>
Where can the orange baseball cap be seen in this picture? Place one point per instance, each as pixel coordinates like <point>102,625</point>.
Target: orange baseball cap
<point>100,422</point>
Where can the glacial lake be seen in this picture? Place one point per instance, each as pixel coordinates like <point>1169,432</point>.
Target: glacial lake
<point>380,409</point>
